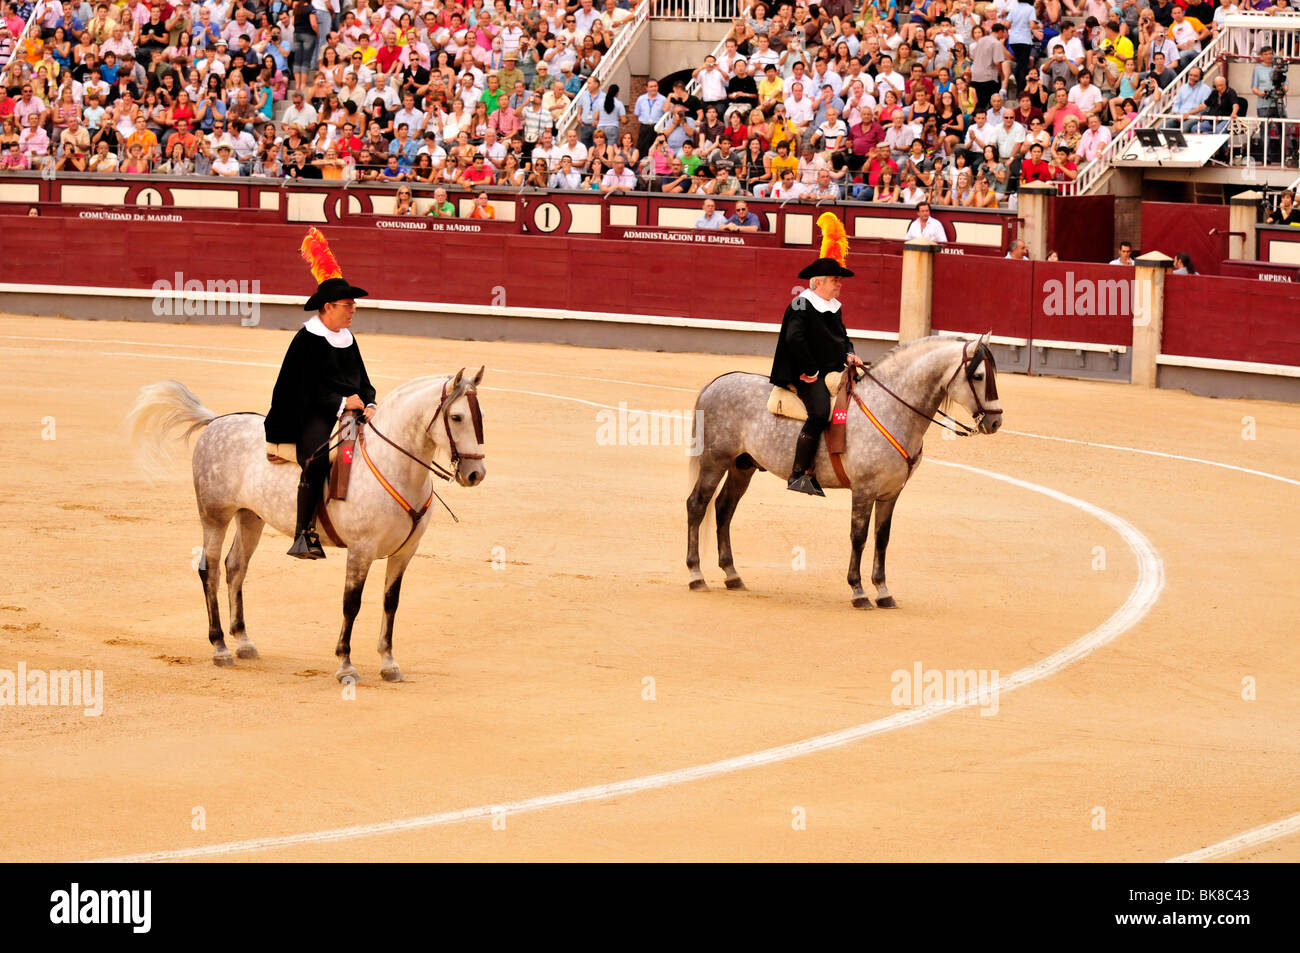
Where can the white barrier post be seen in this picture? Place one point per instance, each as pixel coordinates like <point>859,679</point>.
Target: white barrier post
<point>916,294</point>
<point>1148,315</point>
<point>1243,213</point>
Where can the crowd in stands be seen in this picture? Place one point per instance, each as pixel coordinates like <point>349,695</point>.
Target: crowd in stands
<point>950,102</point>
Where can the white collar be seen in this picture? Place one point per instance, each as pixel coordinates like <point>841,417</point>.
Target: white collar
<point>341,338</point>
<point>818,302</point>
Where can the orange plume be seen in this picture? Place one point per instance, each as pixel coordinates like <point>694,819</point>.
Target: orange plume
<point>835,241</point>
<point>316,252</point>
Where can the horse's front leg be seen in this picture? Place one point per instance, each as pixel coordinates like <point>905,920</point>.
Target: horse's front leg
<point>862,503</point>
<point>358,568</point>
<point>397,564</point>
<point>884,516</point>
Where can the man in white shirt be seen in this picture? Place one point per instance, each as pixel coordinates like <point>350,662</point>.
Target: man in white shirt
<point>492,150</point>
<point>566,177</point>
<point>301,114</point>
<point>1073,45</point>
<point>547,149</point>
<point>799,109</point>
<point>926,227</point>
<point>1125,256</point>
<point>575,150</point>
<point>711,218</point>
<point>788,187</point>
<point>385,93</point>
<point>408,114</point>
<point>584,17</point>
<point>889,78</point>
<point>713,84</point>
<point>1087,96</point>
<point>899,138</point>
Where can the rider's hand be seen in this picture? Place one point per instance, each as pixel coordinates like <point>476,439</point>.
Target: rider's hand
<point>806,379</point>
<point>854,360</point>
<point>353,403</point>
<point>370,411</point>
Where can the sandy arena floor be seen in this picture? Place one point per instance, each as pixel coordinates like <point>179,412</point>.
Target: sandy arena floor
<point>528,681</point>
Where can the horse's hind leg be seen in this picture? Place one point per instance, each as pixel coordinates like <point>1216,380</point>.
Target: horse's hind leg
<point>861,525</point>
<point>696,505</point>
<point>725,508</point>
<point>397,563</point>
<point>214,534</point>
<point>884,516</point>
<point>353,585</point>
<point>248,532</point>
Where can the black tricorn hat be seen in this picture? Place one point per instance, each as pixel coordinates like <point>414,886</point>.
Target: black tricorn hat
<point>333,289</point>
<point>823,267</point>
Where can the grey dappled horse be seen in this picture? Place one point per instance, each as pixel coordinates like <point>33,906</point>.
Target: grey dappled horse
<point>233,480</point>
<point>737,435</point>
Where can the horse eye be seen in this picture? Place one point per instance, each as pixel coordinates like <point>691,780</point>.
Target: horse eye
<point>979,377</point>
<point>457,418</point>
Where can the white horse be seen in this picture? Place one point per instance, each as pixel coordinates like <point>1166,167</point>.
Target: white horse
<point>904,391</point>
<point>382,518</point>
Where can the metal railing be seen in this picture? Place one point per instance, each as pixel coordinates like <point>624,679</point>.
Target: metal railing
<point>6,74</point>
<point>697,11</point>
<point>626,36</point>
<point>1243,33</point>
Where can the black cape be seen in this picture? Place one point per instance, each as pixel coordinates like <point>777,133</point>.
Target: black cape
<point>314,380</point>
<point>811,342</point>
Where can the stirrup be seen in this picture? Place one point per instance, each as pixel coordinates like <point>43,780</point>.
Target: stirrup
<point>805,483</point>
<point>306,545</point>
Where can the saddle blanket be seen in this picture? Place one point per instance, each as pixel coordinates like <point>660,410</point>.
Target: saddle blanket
<point>784,402</point>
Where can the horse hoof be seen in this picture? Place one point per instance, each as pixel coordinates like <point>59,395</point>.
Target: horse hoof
<point>886,603</point>
<point>735,582</point>
<point>393,674</point>
<point>223,659</point>
<point>346,672</point>
<point>861,602</point>
<point>699,585</point>
<point>247,651</point>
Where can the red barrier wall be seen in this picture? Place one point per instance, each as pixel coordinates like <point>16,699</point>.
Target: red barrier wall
<point>1083,302</point>
<point>975,294</point>
<point>1237,319</point>
<point>1081,228</point>
<point>577,274</point>
<point>1199,230</point>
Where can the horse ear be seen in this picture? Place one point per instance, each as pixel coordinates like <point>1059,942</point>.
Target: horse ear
<point>479,376</point>
<point>984,338</point>
<point>455,381</point>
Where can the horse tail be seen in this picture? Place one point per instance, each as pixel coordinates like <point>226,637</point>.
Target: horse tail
<point>163,412</point>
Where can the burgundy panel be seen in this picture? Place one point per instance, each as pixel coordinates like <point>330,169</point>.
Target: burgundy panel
<point>1081,228</point>
<point>1082,302</point>
<point>1199,230</point>
<point>973,294</point>
<point>1236,319</point>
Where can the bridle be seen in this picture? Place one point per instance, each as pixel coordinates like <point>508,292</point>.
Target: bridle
<point>433,466</point>
<point>971,362</point>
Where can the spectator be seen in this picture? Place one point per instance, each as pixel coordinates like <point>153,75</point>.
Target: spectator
<point>1286,212</point>
<point>1019,251</point>
<point>1124,255</point>
<point>440,207</point>
<point>741,219</point>
<point>225,163</point>
<point>1183,264</point>
<point>481,209</point>
<point>566,176</point>
<point>710,216</point>
<point>103,160</point>
<point>926,227</point>
<point>1034,168</point>
<point>34,143</point>
<point>619,178</point>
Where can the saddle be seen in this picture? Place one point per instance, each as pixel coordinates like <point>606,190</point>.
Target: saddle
<point>785,402</point>
<point>341,454</point>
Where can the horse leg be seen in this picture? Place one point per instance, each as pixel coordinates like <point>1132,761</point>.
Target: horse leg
<point>725,508</point>
<point>696,505</point>
<point>397,564</point>
<point>353,585</point>
<point>247,534</point>
<point>861,524</point>
<point>214,534</point>
<point>884,516</point>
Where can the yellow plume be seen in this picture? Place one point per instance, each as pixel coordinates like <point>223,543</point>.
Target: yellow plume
<point>316,252</point>
<point>835,241</point>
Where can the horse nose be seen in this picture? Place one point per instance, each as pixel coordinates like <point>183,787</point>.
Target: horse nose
<point>473,477</point>
<point>995,423</point>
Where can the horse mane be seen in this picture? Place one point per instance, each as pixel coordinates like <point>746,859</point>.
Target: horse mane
<point>911,348</point>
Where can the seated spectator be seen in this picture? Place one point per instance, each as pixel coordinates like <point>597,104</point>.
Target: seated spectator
<point>983,196</point>
<point>566,176</point>
<point>539,176</point>
<point>440,207</point>
<point>478,173</point>
<point>225,164</point>
<point>823,189</point>
<point>103,160</point>
<point>788,187</point>
<point>677,180</point>
<point>13,158</point>
<point>404,204</point>
<point>1035,168</point>
<point>886,189</point>
<point>391,172</point>
<point>74,142</point>
<point>481,207</point>
<point>34,142</point>
<point>710,217</point>
<point>619,178</point>
<point>332,165</point>
<point>1063,169</point>
<point>741,219</point>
